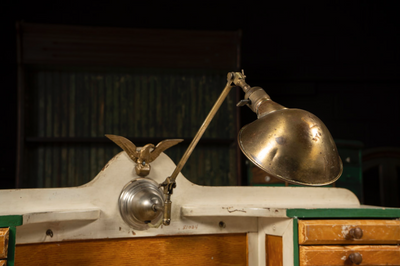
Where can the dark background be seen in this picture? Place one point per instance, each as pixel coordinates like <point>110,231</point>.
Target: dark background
<point>339,61</point>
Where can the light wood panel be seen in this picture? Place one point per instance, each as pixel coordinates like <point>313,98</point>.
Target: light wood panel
<point>4,235</point>
<point>273,250</point>
<point>339,255</point>
<point>337,231</point>
<point>227,249</point>
<point>3,262</point>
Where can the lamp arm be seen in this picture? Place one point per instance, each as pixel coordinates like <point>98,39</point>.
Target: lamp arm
<point>203,128</point>
<point>169,183</point>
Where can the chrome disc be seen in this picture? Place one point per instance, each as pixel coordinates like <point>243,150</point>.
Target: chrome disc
<point>138,201</point>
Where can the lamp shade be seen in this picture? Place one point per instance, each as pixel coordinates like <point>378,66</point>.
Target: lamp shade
<point>293,145</point>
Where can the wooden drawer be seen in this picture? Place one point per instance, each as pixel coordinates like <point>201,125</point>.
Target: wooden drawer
<point>313,232</point>
<point>217,249</point>
<point>339,255</point>
<point>4,235</point>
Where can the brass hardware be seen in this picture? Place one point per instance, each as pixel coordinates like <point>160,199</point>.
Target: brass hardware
<point>355,258</point>
<point>145,155</point>
<point>167,210</point>
<point>356,233</point>
<point>243,102</point>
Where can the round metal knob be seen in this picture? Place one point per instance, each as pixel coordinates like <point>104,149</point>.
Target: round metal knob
<point>355,258</point>
<point>356,233</point>
<point>141,202</point>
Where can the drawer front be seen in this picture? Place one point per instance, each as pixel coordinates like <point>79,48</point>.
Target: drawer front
<point>313,232</point>
<point>4,236</point>
<point>341,255</point>
<point>217,249</point>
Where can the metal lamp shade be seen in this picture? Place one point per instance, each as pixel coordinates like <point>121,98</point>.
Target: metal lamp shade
<point>293,145</point>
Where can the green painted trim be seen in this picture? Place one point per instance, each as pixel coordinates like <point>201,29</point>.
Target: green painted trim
<point>344,213</point>
<point>11,246</point>
<point>10,220</point>
<point>295,243</point>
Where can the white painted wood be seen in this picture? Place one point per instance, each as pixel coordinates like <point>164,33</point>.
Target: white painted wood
<point>288,248</point>
<point>205,203</point>
<point>276,227</point>
<point>237,210</point>
<point>60,216</point>
<point>252,239</point>
<point>261,247</point>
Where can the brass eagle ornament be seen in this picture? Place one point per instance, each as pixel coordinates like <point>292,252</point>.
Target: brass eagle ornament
<point>144,156</point>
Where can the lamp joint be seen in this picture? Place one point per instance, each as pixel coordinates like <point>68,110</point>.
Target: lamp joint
<point>168,186</point>
<point>243,102</point>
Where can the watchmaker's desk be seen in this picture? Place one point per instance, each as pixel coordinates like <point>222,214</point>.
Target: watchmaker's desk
<point>210,225</point>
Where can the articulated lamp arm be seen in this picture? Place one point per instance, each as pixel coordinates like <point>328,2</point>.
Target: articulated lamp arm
<point>169,183</point>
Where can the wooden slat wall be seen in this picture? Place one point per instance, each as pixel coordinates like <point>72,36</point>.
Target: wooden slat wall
<point>69,105</point>
<point>77,45</point>
<point>132,102</point>
<point>175,250</point>
<point>78,82</point>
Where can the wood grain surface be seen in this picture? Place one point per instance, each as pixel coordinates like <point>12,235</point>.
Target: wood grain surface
<point>4,235</point>
<point>337,231</point>
<point>226,249</point>
<point>273,250</point>
<point>3,262</point>
<point>339,255</point>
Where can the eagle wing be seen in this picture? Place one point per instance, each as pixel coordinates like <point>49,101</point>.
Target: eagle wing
<point>162,146</point>
<point>126,145</point>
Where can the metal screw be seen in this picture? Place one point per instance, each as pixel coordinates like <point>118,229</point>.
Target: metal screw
<point>222,224</point>
<point>49,233</point>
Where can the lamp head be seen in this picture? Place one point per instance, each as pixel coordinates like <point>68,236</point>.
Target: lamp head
<point>290,144</point>
<point>293,145</point>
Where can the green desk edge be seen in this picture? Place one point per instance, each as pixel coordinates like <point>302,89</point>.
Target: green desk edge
<point>11,221</point>
<point>375,212</point>
<point>344,213</point>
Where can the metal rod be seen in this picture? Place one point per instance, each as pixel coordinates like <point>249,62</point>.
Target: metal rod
<point>203,128</point>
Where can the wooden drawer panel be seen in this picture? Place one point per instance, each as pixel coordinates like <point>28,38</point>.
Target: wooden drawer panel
<point>313,232</point>
<point>195,250</point>
<point>339,255</point>
<point>4,235</point>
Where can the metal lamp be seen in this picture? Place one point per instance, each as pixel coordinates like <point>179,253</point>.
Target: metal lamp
<point>290,144</point>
